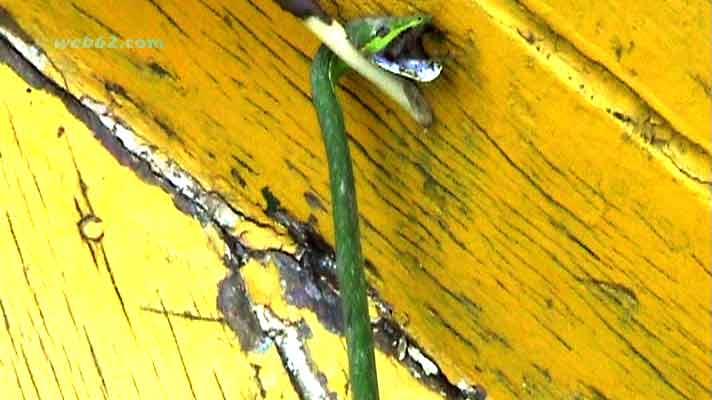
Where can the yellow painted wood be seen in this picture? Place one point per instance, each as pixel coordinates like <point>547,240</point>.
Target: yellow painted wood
<point>85,315</point>
<point>548,237</point>
<point>651,46</point>
<point>99,270</point>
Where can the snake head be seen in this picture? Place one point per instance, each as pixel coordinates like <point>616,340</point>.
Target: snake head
<point>396,45</point>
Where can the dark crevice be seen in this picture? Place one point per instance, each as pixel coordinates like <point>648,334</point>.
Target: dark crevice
<point>19,383</point>
<point>169,18</point>
<point>178,348</point>
<point>29,371</point>
<point>547,328</point>
<point>219,385</point>
<point>39,310</point>
<point>436,315</point>
<point>6,319</point>
<point>107,264</point>
<point>22,154</point>
<point>160,70</point>
<point>184,314</point>
<point>259,10</point>
<point>230,17</point>
<point>51,366</point>
<point>105,390</point>
<point>530,179</point>
<point>96,20</point>
<point>229,52</point>
<point>19,250</point>
<point>637,353</point>
<point>392,340</point>
<point>70,312</point>
<point>135,386</point>
<point>258,380</point>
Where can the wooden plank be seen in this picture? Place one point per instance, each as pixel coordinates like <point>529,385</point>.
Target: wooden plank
<point>543,238</point>
<point>108,291</point>
<point>649,47</point>
<point>85,313</point>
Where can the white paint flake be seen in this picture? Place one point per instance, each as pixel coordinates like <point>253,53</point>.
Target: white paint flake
<point>161,165</point>
<point>31,53</point>
<point>428,366</point>
<point>286,338</point>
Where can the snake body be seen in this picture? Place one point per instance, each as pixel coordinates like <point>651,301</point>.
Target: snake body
<point>325,71</point>
<point>392,44</point>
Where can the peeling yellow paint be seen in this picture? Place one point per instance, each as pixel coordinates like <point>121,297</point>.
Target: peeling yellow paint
<point>543,238</point>
<point>259,238</point>
<point>328,350</point>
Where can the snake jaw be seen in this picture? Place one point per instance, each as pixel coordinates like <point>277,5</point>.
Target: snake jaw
<point>405,55</point>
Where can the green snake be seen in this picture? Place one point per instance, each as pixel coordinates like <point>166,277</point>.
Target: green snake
<point>383,50</point>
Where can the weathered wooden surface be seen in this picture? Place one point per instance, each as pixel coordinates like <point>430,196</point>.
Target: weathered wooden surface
<point>123,307</point>
<point>548,237</point>
<point>76,309</point>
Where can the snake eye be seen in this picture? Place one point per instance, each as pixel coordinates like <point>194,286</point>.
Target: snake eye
<point>382,31</point>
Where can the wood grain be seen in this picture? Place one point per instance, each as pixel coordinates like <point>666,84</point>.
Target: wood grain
<point>95,312</point>
<point>548,237</point>
<point>108,290</point>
